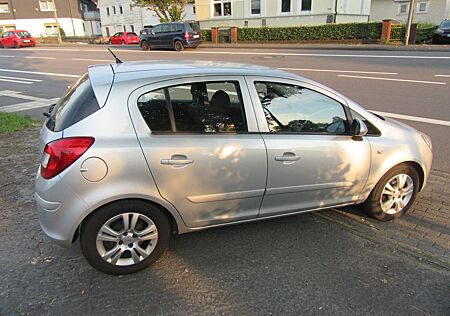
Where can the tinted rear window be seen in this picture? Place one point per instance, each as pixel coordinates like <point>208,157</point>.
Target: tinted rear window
<point>23,34</point>
<point>194,26</point>
<point>131,34</point>
<point>77,103</point>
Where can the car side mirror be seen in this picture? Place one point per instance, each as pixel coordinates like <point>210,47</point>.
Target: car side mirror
<point>359,128</point>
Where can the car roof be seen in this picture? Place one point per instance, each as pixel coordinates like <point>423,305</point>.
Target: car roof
<point>156,68</point>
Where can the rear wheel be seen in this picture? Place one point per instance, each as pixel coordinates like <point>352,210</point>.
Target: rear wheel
<point>178,46</point>
<point>394,193</point>
<point>124,237</point>
<point>145,45</point>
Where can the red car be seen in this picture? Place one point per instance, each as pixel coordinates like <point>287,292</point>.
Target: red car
<point>16,39</point>
<point>124,38</point>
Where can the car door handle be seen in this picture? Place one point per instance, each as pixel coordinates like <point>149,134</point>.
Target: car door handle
<point>287,157</point>
<point>177,160</point>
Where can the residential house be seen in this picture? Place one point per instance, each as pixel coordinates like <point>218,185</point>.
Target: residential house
<point>432,11</point>
<point>257,13</point>
<point>123,16</point>
<point>75,17</point>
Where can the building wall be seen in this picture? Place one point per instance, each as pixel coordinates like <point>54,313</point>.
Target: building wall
<point>438,10</point>
<point>29,9</point>
<point>36,27</point>
<point>131,16</point>
<point>271,15</point>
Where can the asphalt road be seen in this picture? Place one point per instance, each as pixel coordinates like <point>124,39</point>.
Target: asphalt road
<point>297,265</point>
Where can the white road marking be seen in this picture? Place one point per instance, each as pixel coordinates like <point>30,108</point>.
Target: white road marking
<point>39,73</point>
<point>39,57</point>
<point>6,56</point>
<point>20,78</point>
<point>414,118</point>
<point>392,79</point>
<point>16,81</point>
<point>34,104</point>
<point>446,76</point>
<point>87,59</point>
<point>341,71</point>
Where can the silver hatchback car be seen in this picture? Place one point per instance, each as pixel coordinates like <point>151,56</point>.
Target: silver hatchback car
<point>135,152</point>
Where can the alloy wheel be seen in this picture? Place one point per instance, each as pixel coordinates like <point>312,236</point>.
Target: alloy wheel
<point>397,193</point>
<point>127,239</point>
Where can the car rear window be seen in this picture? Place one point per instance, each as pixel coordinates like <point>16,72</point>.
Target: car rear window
<point>131,34</point>
<point>194,26</point>
<point>23,34</point>
<point>77,103</point>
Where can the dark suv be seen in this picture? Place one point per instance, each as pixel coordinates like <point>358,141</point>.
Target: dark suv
<point>176,35</point>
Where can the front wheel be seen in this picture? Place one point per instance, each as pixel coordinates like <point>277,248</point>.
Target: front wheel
<point>394,194</point>
<point>178,46</point>
<point>124,237</point>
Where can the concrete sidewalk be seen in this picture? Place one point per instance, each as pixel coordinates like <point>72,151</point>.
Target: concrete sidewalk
<point>424,230</point>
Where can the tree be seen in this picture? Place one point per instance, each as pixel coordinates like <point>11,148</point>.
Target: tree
<point>166,10</point>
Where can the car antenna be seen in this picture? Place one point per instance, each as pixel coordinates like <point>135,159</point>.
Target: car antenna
<point>118,61</point>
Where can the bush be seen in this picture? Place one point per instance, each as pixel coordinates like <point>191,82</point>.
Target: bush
<point>363,31</point>
<point>424,32</point>
<point>206,35</point>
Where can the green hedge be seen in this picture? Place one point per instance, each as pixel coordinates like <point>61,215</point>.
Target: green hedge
<point>206,35</point>
<point>309,33</point>
<point>424,32</point>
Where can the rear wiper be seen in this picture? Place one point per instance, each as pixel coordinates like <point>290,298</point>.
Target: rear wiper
<point>49,112</point>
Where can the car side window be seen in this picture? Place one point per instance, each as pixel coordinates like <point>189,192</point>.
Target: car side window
<point>295,109</point>
<point>173,28</point>
<point>201,107</point>
<point>165,28</point>
<point>157,29</point>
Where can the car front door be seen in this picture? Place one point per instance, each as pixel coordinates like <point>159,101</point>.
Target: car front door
<point>199,136</point>
<point>313,161</point>
<point>154,37</point>
<point>6,40</point>
<point>115,38</point>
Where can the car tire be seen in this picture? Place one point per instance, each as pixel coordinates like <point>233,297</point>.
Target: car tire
<point>390,198</point>
<point>178,46</point>
<point>145,45</point>
<point>128,253</point>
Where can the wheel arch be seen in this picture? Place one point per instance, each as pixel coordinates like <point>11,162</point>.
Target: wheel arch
<point>174,224</point>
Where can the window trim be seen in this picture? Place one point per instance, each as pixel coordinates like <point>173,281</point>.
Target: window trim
<point>427,5</point>
<point>399,12</point>
<point>280,8</point>
<point>8,10</point>
<point>142,127</point>
<point>260,8</point>
<point>258,108</point>
<point>221,2</point>
<point>47,2</point>
<point>300,7</point>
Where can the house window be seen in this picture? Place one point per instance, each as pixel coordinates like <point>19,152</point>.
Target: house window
<point>403,8</point>
<point>285,6</point>
<point>51,29</point>
<point>222,7</point>
<point>46,5</point>
<point>114,10</point>
<point>4,8</point>
<point>256,6</point>
<point>120,9</point>
<point>422,7</point>
<point>306,5</point>
<point>107,12</point>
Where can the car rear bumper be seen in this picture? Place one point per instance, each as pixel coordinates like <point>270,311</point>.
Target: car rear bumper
<point>192,43</point>
<point>59,209</point>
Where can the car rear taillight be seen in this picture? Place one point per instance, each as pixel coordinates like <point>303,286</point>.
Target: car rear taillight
<point>187,36</point>
<point>60,154</point>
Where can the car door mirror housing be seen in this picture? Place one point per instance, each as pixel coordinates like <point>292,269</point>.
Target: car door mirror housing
<point>359,128</point>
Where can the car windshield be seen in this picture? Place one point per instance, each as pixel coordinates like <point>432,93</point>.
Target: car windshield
<point>195,27</point>
<point>445,24</point>
<point>23,34</point>
<point>131,34</point>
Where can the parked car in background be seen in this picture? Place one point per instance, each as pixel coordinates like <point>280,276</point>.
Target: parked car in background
<point>16,39</point>
<point>124,38</point>
<point>146,29</point>
<point>442,33</point>
<point>137,151</point>
<point>174,35</point>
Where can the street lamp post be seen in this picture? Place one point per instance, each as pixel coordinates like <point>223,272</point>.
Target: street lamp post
<point>57,23</point>
<point>409,23</point>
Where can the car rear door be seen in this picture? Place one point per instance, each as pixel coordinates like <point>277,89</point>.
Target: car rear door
<point>313,161</point>
<point>199,136</point>
<point>7,39</point>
